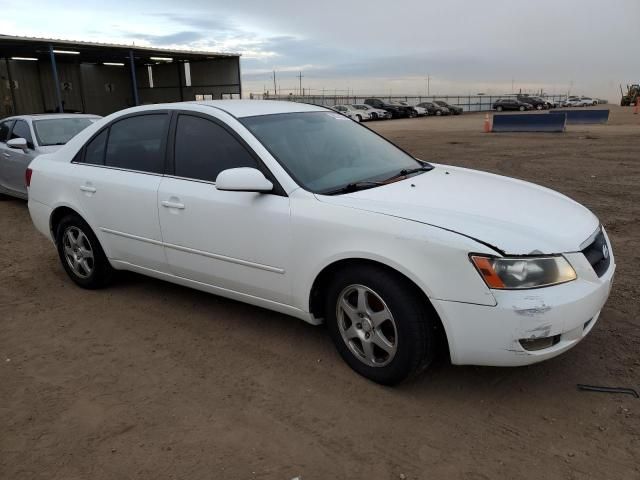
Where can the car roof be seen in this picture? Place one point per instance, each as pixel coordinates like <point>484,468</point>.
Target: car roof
<point>251,108</point>
<point>50,116</point>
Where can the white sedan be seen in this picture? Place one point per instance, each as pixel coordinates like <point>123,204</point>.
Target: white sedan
<point>374,113</point>
<point>352,112</point>
<point>577,102</point>
<point>294,208</point>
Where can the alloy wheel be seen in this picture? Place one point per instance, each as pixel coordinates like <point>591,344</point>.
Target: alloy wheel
<point>367,325</point>
<point>78,252</point>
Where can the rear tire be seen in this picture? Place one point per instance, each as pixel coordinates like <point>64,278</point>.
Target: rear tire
<point>380,327</point>
<point>438,113</point>
<point>81,255</point>
<point>358,118</point>
<point>522,108</point>
<point>499,108</point>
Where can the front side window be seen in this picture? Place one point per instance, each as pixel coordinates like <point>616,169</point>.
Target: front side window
<point>203,149</point>
<point>137,143</point>
<point>325,151</point>
<point>58,131</point>
<point>4,130</point>
<point>21,130</point>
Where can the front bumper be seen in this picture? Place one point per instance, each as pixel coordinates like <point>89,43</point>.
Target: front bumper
<point>562,314</point>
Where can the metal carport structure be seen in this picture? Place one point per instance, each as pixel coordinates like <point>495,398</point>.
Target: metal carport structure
<point>40,75</point>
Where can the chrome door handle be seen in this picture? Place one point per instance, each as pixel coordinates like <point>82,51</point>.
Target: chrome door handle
<point>168,204</point>
<point>6,154</point>
<point>86,188</point>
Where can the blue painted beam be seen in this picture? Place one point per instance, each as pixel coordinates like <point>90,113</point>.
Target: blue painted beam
<point>528,122</point>
<point>579,116</point>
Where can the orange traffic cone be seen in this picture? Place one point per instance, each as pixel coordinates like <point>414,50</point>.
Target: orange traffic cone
<point>487,123</point>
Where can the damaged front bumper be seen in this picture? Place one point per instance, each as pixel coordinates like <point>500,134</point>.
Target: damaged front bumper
<point>527,326</point>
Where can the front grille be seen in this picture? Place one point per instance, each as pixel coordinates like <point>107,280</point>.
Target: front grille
<point>597,254</point>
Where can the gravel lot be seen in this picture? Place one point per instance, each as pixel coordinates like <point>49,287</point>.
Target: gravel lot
<point>150,380</point>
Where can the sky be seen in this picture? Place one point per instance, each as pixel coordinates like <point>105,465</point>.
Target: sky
<point>373,47</point>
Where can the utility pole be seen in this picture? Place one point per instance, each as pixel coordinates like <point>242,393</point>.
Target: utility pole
<point>300,80</point>
<point>428,85</point>
<point>275,90</point>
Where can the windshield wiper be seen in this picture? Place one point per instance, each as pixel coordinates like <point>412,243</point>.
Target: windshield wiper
<point>354,187</point>
<point>408,171</point>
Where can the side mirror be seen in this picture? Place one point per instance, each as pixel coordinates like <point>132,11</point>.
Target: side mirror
<point>243,179</point>
<point>17,143</point>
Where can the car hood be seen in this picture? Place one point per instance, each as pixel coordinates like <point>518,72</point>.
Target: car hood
<point>513,216</point>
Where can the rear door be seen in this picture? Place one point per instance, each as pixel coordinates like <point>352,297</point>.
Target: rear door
<point>116,183</point>
<point>16,161</point>
<point>237,241</point>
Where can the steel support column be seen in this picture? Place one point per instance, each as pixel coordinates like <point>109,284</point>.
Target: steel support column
<point>11,87</point>
<point>239,80</point>
<point>134,82</point>
<point>180,71</point>
<point>56,80</point>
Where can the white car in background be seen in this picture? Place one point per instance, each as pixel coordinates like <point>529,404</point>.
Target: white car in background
<point>420,111</point>
<point>576,102</point>
<point>24,137</point>
<point>352,112</point>
<point>294,208</point>
<point>374,113</point>
<point>589,100</point>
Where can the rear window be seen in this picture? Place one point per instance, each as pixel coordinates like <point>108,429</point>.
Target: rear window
<point>137,143</point>
<point>58,131</point>
<point>95,149</point>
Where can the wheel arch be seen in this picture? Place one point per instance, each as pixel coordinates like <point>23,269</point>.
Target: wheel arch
<point>57,215</point>
<point>322,279</point>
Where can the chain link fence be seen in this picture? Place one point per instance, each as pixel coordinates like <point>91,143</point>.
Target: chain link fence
<point>469,103</point>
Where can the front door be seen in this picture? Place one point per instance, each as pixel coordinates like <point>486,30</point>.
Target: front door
<point>237,241</point>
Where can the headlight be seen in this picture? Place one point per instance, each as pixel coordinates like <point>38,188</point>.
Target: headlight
<point>523,272</point>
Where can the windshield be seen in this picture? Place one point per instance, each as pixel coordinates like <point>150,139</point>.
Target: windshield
<point>58,131</point>
<point>324,151</point>
<point>362,107</point>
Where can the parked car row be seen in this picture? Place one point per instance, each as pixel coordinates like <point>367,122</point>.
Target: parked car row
<point>532,102</point>
<point>377,109</point>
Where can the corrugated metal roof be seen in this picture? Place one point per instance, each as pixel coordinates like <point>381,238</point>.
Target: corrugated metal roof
<point>9,39</point>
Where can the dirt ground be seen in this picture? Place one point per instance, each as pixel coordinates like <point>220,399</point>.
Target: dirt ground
<point>150,380</point>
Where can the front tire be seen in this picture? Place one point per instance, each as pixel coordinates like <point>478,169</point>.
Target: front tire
<point>358,118</point>
<point>522,108</point>
<point>380,327</point>
<point>81,255</point>
<point>499,108</point>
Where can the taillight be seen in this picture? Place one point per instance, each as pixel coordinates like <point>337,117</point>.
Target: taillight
<point>27,177</point>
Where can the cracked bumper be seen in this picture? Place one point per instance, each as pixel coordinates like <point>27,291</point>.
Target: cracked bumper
<point>484,335</point>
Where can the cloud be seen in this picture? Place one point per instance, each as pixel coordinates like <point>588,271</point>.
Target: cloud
<point>458,43</point>
<point>178,38</point>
